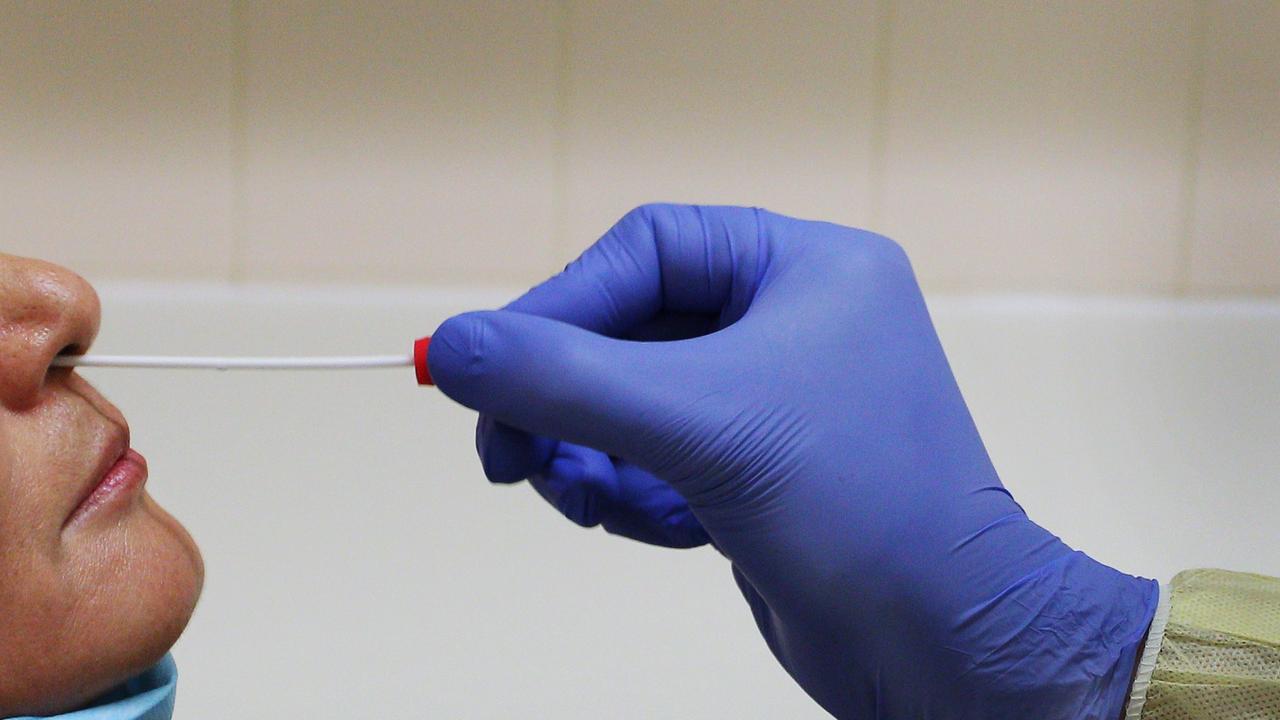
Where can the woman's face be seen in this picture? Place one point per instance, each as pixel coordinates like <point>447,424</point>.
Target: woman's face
<point>96,580</point>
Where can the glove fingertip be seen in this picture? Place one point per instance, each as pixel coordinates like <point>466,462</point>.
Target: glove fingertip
<point>457,349</point>
<point>580,483</point>
<point>508,455</point>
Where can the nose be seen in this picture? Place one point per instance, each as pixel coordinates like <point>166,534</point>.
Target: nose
<point>44,310</point>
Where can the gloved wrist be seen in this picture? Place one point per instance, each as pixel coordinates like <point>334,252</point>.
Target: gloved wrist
<point>1009,622</point>
<point>1071,650</point>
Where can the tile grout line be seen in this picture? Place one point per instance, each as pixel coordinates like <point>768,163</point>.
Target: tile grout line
<point>1191,159</point>
<point>239,150</point>
<point>560,241</point>
<point>879,115</point>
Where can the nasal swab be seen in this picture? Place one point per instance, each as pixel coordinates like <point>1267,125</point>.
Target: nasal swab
<point>417,359</point>
<point>235,363</point>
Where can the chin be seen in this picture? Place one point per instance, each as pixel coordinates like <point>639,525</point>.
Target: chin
<point>137,585</point>
<point>168,588</point>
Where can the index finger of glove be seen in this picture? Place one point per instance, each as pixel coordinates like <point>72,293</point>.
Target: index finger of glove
<point>658,258</point>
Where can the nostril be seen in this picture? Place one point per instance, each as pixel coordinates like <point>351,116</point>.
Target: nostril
<point>73,348</point>
<point>67,350</point>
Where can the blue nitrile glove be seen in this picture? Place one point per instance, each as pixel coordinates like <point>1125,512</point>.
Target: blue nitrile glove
<point>793,402</point>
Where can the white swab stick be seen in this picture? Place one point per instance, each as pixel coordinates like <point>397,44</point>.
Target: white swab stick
<point>236,363</point>
<point>416,359</point>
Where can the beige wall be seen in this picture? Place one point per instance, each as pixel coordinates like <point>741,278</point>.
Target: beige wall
<point>1126,147</point>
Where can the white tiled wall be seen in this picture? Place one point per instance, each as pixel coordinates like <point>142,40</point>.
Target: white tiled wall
<point>1236,239</point>
<point>718,102</point>
<point>403,141</point>
<point>115,136</point>
<point>1039,145</point>
<point>1047,146</point>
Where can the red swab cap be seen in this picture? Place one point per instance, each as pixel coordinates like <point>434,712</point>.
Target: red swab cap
<point>420,360</point>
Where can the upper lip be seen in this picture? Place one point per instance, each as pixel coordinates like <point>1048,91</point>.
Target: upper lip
<point>113,449</point>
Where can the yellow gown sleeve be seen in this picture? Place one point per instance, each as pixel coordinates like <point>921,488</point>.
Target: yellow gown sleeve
<point>1219,657</point>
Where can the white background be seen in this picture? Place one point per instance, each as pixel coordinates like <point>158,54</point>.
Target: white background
<point>359,565</point>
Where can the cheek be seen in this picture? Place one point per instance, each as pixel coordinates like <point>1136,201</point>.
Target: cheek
<point>44,464</point>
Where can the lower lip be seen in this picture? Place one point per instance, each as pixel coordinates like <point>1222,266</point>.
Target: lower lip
<point>117,485</point>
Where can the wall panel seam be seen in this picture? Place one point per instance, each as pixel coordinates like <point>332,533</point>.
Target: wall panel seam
<point>881,77</point>
<point>561,244</point>
<point>1191,160</point>
<point>239,150</point>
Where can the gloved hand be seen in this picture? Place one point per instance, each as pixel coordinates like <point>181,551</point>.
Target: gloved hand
<point>777,385</point>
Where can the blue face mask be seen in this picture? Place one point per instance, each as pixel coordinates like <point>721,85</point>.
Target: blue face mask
<point>148,696</point>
